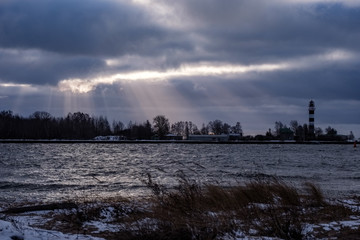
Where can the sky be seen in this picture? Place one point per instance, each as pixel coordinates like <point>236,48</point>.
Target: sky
<point>253,62</point>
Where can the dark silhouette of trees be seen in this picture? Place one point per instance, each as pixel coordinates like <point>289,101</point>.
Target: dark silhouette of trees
<point>331,131</point>
<point>161,126</point>
<point>118,127</point>
<point>294,126</point>
<point>179,128</point>
<point>9,124</point>
<point>191,129</point>
<point>283,132</point>
<point>278,126</point>
<point>216,127</point>
<point>318,132</point>
<point>301,133</point>
<point>237,129</point>
<point>204,129</point>
<point>331,134</point>
<point>268,134</point>
<point>351,136</point>
<point>78,125</point>
<point>226,128</point>
<point>184,128</point>
<point>136,131</point>
<point>306,131</point>
<point>102,126</point>
<point>41,125</point>
<point>148,132</point>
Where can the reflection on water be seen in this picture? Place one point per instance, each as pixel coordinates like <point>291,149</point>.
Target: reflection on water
<point>63,171</point>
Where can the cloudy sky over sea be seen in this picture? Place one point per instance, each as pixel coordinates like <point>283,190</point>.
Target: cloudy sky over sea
<point>256,62</point>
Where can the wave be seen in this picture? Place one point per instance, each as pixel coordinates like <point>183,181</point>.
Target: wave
<point>33,186</point>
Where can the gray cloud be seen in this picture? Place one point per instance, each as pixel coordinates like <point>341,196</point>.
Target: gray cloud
<point>78,27</point>
<point>245,31</point>
<point>250,31</point>
<point>320,84</point>
<point>37,67</point>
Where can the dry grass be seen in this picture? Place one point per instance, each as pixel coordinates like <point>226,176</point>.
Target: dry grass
<point>262,207</point>
<point>203,211</point>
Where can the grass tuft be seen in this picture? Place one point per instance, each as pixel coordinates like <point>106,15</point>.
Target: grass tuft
<point>315,196</point>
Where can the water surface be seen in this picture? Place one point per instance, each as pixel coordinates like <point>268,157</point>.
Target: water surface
<point>48,172</point>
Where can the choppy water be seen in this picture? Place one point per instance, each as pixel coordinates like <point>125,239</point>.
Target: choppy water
<point>50,172</point>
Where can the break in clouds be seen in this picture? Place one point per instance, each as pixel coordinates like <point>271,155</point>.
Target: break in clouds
<point>251,61</point>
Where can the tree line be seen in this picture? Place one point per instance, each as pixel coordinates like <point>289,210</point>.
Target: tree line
<point>41,125</point>
<point>301,132</point>
<point>78,125</point>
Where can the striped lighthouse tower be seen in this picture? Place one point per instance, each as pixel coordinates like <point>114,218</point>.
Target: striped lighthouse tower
<point>311,118</point>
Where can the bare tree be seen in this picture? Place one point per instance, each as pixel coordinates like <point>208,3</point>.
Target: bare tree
<point>237,128</point>
<point>161,126</point>
<point>226,128</point>
<point>41,115</point>
<point>294,126</point>
<point>318,132</point>
<point>178,128</point>
<point>351,136</point>
<point>204,129</point>
<point>118,127</point>
<point>216,126</point>
<point>278,126</point>
<point>331,131</point>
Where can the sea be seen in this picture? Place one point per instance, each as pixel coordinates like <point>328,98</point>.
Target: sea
<point>44,172</point>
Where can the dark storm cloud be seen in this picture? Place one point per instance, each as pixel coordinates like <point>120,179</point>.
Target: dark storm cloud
<point>78,27</point>
<point>71,38</point>
<point>258,31</point>
<point>245,32</point>
<point>36,67</point>
<point>340,85</point>
<point>319,77</point>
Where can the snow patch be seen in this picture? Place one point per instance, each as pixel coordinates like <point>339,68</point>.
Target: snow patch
<point>21,231</point>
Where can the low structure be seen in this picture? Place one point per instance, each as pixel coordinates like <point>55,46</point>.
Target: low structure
<point>173,137</point>
<point>209,138</point>
<point>235,136</point>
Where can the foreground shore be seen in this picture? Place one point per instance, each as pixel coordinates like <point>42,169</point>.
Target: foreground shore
<point>259,209</point>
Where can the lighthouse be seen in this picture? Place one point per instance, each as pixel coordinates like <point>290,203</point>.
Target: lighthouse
<point>311,118</point>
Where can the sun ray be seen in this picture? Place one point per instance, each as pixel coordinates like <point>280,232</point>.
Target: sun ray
<point>203,69</point>
<point>148,99</point>
<point>186,70</point>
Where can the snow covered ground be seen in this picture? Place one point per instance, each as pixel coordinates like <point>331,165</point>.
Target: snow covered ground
<point>19,230</point>
<point>31,225</point>
<point>19,227</point>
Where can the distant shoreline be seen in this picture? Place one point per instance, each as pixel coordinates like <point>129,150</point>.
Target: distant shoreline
<point>165,142</point>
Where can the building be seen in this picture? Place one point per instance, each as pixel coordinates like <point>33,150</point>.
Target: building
<point>311,118</point>
<point>173,137</point>
<point>209,138</point>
